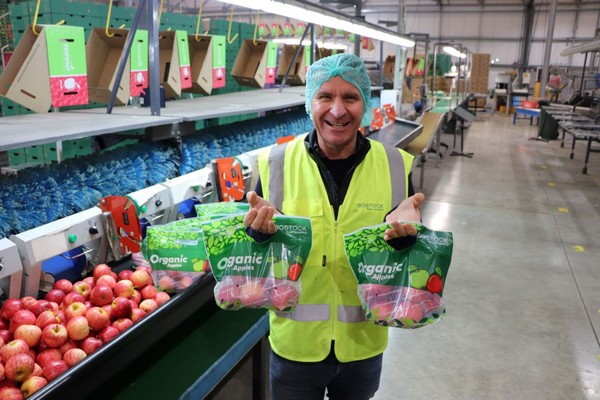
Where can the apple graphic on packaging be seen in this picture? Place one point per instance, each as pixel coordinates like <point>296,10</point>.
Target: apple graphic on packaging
<point>418,279</point>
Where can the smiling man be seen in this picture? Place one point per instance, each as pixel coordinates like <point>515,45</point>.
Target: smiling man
<point>342,181</point>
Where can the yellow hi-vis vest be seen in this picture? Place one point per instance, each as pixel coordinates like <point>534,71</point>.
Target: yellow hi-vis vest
<point>329,308</point>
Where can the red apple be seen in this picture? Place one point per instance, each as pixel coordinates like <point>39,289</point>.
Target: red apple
<point>140,278</point>
<point>75,310</point>
<point>6,335</point>
<point>162,297</point>
<point>137,314</point>
<point>73,297</point>
<point>253,294</point>
<point>21,317</point>
<point>227,294</point>
<point>124,288</point>
<point>90,344</point>
<point>70,344</point>
<point>39,306</point>
<point>107,280</point>
<point>121,307</point>
<point>11,393</point>
<point>54,369</point>
<point>108,333</point>
<point>283,295</point>
<point>37,370</point>
<point>63,284</point>
<point>19,367</point>
<point>122,324</point>
<point>185,281</point>
<point>55,295</point>
<point>137,297</point>
<point>166,284</point>
<point>101,295</point>
<point>55,335</point>
<point>78,328</point>
<point>90,281</point>
<point>83,288</point>
<point>148,292</point>
<point>10,307</point>
<point>32,385</point>
<point>73,356</point>
<point>12,348</point>
<point>4,323</point>
<point>97,318</point>
<point>44,357</point>
<point>149,305</point>
<point>125,274</point>
<point>382,311</point>
<point>101,269</point>
<point>32,334</point>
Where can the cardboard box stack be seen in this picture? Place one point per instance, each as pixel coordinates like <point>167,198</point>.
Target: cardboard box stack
<point>480,71</point>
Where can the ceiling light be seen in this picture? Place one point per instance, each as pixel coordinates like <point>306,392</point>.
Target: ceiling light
<point>313,14</point>
<point>454,52</point>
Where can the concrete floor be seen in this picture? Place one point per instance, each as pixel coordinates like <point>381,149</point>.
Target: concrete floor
<point>523,290</point>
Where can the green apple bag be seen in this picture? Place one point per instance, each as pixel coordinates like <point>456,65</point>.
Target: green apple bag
<point>257,275</point>
<point>400,288</point>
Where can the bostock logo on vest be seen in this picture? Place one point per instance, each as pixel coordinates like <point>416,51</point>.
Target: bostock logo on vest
<point>370,206</point>
<point>240,263</point>
<point>379,272</point>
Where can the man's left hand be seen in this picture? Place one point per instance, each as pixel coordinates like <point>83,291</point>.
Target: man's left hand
<point>408,210</point>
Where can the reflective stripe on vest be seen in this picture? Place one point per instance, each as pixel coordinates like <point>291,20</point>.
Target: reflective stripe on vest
<point>277,159</point>
<point>320,312</point>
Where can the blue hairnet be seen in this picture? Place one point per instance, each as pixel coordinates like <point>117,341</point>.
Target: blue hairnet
<point>351,69</point>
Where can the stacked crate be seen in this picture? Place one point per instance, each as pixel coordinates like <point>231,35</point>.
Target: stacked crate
<point>480,71</point>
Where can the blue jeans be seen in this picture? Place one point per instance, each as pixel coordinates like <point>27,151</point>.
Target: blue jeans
<point>292,380</point>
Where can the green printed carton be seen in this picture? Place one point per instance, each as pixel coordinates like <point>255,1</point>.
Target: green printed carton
<point>219,70</point>
<point>183,52</point>
<point>250,274</point>
<point>400,288</point>
<point>271,62</point>
<point>47,69</point>
<point>138,58</point>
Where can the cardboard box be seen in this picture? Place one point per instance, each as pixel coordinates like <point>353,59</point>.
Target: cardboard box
<point>255,63</point>
<point>201,63</point>
<point>48,69</point>
<point>102,54</point>
<point>174,59</point>
<point>297,74</point>
<point>138,59</point>
<point>219,72</point>
<point>389,66</point>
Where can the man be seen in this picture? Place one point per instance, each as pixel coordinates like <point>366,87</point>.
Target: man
<point>343,182</point>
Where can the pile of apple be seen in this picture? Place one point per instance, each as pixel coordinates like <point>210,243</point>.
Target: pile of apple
<point>41,338</point>
<point>400,306</point>
<point>235,292</point>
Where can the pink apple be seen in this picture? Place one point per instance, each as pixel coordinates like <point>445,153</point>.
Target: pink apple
<point>108,333</point>
<point>185,281</point>
<point>75,310</point>
<point>32,334</point>
<point>54,335</point>
<point>90,281</point>
<point>4,323</point>
<point>227,294</point>
<point>124,288</point>
<point>10,307</point>
<point>55,295</point>
<point>382,311</point>
<point>125,274</point>
<point>11,393</point>
<point>90,344</point>
<point>108,309</point>
<point>137,297</point>
<point>70,344</point>
<point>148,292</point>
<point>32,385</point>
<point>101,294</point>
<point>19,367</point>
<point>97,318</point>
<point>162,297</point>
<point>137,314</point>
<point>148,305</point>
<point>73,356</point>
<point>101,269</point>
<point>63,284</point>
<point>121,307</point>
<point>37,370</point>
<point>166,284</point>
<point>44,357</point>
<point>78,328</point>
<point>122,324</point>
<point>253,294</point>
<point>12,348</point>
<point>28,301</point>
<point>6,335</point>
<point>107,280</point>
<point>283,295</point>
<point>140,278</point>
<point>409,310</point>
<point>54,369</point>
<point>73,297</point>
<point>21,317</point>
<point>39,306</point>
<point>373,291</point>
<point>83,288</point>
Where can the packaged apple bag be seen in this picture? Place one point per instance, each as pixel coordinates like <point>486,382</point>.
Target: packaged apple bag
<point>176,254</point>
<point>400,288</point>
<point>257,275</point>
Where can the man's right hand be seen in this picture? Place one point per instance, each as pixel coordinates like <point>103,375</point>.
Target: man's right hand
<point>260,215</point>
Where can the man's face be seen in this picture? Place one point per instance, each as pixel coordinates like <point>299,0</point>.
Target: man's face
<point>337,110</point>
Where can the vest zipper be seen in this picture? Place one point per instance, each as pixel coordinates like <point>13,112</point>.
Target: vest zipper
<point>333,297</point>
